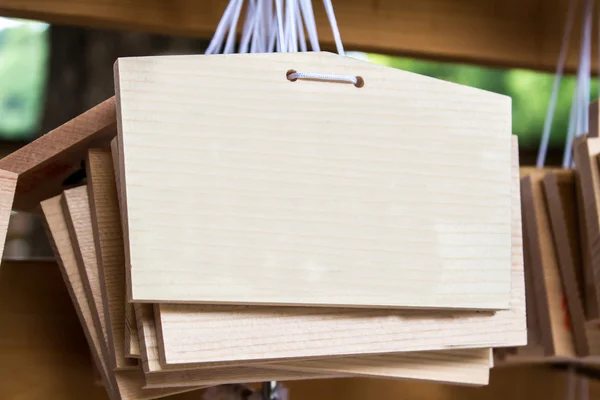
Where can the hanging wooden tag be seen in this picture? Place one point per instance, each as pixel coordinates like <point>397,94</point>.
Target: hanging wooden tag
<point>108,241</point>
<point>553,315</point>
<point>122,384</point>
<point>585,151</point>
<point>132,346</point>
<point>193,333</point>
<point>263,190</point>
<point>459,366</point>
<point>561,199</point>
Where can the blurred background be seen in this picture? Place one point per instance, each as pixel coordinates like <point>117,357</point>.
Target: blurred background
<point>50,73</point>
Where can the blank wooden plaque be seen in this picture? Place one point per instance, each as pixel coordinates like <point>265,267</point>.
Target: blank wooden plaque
<point>468,366</point>
<point>197,333</point>
<point>561,197</point>
<point>585,151</point>
<point>266,191</point>
<point>108,241</point>
<point>550,297</point>
<point>121,385</point>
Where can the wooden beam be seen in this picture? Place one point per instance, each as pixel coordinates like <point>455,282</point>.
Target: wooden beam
<point>504,33</point>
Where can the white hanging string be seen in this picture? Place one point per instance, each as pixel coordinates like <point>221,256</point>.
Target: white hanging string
<point>290,19</point>
<point>311,26</point>
<point>281,45</point>
<point>217,39</point>
<point>541,159</point>
<point>300,25</point>
<point>579,107</point>
<point>290,26</point>
<point>248,29</point>
<point>334,27</point>
<point>230,43</point>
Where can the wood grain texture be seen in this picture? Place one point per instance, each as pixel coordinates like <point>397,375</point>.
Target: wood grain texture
<point>197,333</point>
<point>456,366</point>
<point>585,151</point>
<point>534,349</point>
<point>132,345</point>
<point>108,240</point>
<point>41,329</point>
<point>65,255</point>
<point>504,33</point>
<point>44,164</point>
<point>590,292</point>
<point>76,211</point>
<point>280,196</point>
<point>8,183</point>
<point>561,198</point>
<point>123,385</point>
<point>554,317</point>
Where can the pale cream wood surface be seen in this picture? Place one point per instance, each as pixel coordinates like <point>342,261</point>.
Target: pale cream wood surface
<point>585,151</point>
<point>469,366</point>
<point>108,242</point>
<point>132,345</point>
<point>161,379</point>
<point>561,199</point>
<point>197,333</point>
<point>554,319</point>
<point>123,385</point>
<point>458,366</point>
<point>45,163</point>
<point>396,194</point>
<point>76,211</point>
<point>8,183</point>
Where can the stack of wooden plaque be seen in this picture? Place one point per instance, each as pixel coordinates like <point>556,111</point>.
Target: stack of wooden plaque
<point>218,223</point>
<point>561,227</point>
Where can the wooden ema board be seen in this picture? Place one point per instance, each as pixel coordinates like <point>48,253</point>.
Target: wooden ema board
<point>132,346</point>
<point>76,209</point>
<point>534,348</point>
<point>76,198</point>
<point>44,166</point>
<point>469,366</point>
<point>108,241</point>
<point>193,333</point>
<point>123,385</point>
<point>353,197</point>
<point>561,197</point>
<point>590,296</point>
<point>460,366</point>
<point>586,149</point>
<point>553,316</point>
<point>8,183</point>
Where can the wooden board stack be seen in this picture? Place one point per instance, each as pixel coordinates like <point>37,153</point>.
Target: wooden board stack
<point>561,229</point>
<point>222,235</point>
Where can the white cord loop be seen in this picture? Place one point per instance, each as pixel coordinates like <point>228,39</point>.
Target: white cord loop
<point>355,80</point>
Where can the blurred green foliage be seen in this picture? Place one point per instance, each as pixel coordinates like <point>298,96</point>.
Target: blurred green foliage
<point>530,92</point>
<point>23,67</point>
